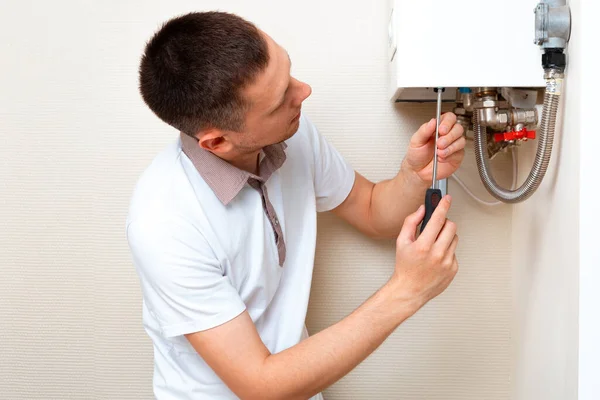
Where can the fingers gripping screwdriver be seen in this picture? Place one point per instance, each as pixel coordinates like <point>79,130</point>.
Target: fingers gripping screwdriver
<point>434,194</point>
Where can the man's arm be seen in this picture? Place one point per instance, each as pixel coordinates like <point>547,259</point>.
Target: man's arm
<point>236,353</point>
<point>378,210</point>
<point>424,268</point>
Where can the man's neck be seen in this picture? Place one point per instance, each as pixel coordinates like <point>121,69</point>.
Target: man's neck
<point>248,162</point>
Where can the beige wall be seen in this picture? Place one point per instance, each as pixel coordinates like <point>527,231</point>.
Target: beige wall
<point>589,272</point>
<point>75,136</point>
<point>546,254</point>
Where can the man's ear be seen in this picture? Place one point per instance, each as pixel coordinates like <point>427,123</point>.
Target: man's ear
<point>214,140</point>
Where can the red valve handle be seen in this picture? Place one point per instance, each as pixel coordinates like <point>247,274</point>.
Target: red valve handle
<point>514,135</point>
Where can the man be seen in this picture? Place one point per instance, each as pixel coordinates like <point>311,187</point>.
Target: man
<point>222,224</point>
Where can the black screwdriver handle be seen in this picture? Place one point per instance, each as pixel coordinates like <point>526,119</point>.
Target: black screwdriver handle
<point>432,199</point>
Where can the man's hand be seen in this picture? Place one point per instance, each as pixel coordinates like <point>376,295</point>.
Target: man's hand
<point>451,144</point>
<point>426,266</point>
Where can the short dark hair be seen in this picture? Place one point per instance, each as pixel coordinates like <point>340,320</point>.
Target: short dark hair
<point>195,66</point>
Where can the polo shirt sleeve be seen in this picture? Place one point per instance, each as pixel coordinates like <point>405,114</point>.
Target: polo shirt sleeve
<point>333,175</point>
<point>183,285</point>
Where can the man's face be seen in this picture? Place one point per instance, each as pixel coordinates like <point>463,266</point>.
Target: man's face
<point>275,100</point>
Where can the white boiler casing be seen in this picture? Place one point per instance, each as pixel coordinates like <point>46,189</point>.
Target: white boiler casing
<point>461,43</point>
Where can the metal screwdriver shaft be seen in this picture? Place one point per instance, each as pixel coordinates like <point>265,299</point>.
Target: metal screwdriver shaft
<point>434,194</point>
<point>434,184</point>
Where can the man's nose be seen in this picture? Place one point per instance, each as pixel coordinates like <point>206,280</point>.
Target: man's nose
<point>304,92</point>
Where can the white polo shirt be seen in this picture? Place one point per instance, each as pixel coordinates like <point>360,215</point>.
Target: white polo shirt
<point>203,255</point>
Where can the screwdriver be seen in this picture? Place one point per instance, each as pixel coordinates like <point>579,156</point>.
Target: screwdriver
<point>434,194</point>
